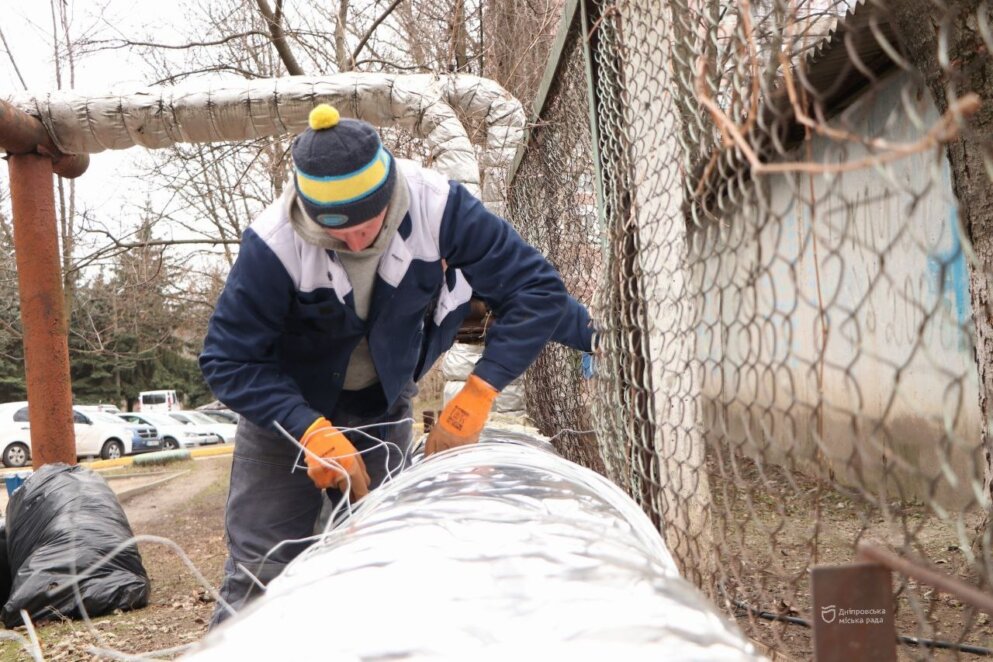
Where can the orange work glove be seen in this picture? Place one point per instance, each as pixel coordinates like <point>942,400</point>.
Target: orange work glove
<point>463,418</point>
<point>327,442</point>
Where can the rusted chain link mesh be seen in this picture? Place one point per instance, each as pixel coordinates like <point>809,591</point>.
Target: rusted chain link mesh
<point>762,217</point>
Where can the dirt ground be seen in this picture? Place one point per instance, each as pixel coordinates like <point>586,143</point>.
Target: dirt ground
<point>188,511</point>
<point>773,528</point>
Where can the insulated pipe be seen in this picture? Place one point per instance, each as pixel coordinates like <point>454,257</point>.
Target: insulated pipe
<point>43,315</point>
<point>430,107</point>
<point>22,134</point>
<point>495,551</point>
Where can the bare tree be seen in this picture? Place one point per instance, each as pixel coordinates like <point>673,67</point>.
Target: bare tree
<point>64,52</point>
<point>946,45</point>
<point>517,37</point>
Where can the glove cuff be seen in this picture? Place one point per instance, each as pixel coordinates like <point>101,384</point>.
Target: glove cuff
<point>477,387</point>
<point>466,414</point>
<point>319,423</point>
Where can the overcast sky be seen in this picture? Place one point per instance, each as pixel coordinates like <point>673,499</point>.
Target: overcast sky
<point>109,189</point>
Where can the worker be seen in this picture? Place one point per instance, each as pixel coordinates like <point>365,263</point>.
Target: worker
<point>345,292</point>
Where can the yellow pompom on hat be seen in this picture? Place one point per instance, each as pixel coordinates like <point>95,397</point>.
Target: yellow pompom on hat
<point>323,116</point>
<point>344,174</point>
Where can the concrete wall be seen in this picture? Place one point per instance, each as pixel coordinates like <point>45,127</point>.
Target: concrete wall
<point>835,336</point>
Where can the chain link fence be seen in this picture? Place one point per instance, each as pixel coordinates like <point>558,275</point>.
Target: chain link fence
<point>776,213</point>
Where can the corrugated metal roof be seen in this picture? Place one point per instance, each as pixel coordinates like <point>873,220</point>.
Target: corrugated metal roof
<point>832,74</point>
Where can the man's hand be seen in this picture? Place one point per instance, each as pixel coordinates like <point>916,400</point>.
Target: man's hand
<point>327,443</point>
<point>463,418</point>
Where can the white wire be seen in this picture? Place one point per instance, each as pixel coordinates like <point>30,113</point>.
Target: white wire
<point>158,540</point>
<point>330,463</point>
<point>30,646</point>
<point>251,575</point>
<point>570,431</point>
<point>35,644</point>
<point>151,656</point>
<point>33,647</point>
<point>105,649</point>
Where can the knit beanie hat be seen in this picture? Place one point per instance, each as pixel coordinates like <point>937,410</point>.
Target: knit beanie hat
<point>344,175</point>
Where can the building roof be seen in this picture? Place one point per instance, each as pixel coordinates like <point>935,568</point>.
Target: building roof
<point>859,49</point>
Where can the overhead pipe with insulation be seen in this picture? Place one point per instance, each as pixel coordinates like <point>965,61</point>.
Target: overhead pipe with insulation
<point>432,108</point>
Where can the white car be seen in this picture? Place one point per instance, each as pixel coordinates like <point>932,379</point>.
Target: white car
<point>93,437</point>
<point>144,438</point>
<point>223,430</point>
<point>174,434</point>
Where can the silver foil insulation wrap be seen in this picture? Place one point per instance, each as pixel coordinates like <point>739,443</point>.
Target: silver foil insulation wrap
<point>498,551</point>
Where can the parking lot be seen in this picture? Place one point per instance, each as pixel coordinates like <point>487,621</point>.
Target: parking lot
<point>105,433</point>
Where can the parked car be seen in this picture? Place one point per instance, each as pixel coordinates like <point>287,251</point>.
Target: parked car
<point>110,409</point>
<point>223,430</point>
<point>221,415</point>
<point>93,437</point>
<point>161,400</point>
<point>144,438</point>
<point>174,434</point>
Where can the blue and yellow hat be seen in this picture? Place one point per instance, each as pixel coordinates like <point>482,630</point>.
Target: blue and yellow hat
<point>344,175</point>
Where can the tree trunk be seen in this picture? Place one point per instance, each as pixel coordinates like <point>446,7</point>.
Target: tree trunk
<point>340,48</point>
<point>274,22</point>
<point>460,58</point>
<point>969,69</point>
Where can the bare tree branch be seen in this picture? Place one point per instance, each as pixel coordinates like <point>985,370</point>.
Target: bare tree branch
<point>117,44</point>
<point>278,37</point>
<point>372,28</point>
<point>175,242</point>
<point>207,70</point>
<point>394,65</point>
<point>12,62</point>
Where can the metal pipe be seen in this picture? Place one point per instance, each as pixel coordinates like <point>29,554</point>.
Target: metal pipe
<point>22,134</point>
<point>43,315</point>
<point>968,594</point>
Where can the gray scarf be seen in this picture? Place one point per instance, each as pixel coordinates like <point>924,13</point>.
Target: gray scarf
<point>360,266</point>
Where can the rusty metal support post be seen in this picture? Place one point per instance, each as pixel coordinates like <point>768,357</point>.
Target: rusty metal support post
<point>43,314</point>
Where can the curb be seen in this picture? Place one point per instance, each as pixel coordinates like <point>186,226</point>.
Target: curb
<point>209,451</point>
<point>141,489</point>
<point>162,457</point>
<point>212,451</point>
<point>144,474</point>
<point>106,464</point>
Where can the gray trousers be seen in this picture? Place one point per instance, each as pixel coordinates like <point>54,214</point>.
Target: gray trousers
<point>271,500</point>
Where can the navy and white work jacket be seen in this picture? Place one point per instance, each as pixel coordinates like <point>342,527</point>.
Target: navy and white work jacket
<point>285,326</point>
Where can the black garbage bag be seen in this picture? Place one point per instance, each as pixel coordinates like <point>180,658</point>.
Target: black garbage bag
<point>63,522</point>
<point>4,563</point>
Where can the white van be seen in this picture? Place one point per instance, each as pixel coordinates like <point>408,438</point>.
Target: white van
<point>158,401</point>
